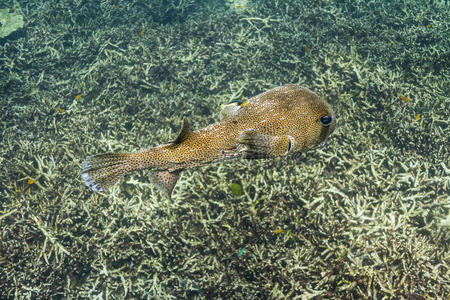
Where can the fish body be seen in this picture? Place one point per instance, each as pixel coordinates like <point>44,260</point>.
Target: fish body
<point>283,120</point>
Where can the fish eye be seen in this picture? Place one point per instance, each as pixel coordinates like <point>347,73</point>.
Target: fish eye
<point>326,120</point>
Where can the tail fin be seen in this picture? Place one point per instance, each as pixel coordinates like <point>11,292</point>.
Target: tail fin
<point>103,170</point>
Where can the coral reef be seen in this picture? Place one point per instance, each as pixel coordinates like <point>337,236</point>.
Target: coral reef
<point>366,216</point>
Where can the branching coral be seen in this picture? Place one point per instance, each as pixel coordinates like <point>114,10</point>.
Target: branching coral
<point>364,217</point>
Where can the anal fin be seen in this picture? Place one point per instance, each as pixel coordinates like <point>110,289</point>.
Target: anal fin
<point>165,181</point>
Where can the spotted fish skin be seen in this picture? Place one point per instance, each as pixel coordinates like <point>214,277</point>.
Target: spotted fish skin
<point>280,121</point>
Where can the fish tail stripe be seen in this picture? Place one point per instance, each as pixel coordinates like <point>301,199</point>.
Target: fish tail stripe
<point>102,171</point>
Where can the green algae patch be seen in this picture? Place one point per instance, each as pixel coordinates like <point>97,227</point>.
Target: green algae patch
<point>10,22</point>
<point>236,189</point>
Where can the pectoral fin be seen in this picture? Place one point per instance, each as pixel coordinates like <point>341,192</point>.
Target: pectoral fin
<point>262,145</point>
<point>165,181</point>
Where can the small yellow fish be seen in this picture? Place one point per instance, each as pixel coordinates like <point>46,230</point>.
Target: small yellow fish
<point>428,25</point>
<point>404,98</point>
<point>284,120</point>
<point>78,97</point>
<point>61,110</point>
<point>416,118</point>
<point>116,6</point>
<point>30,181</point>
<point>244,103</point>
<point>141,33</point>
<point>239,6</point>
<point>307,49</point>
<point>278,230</point>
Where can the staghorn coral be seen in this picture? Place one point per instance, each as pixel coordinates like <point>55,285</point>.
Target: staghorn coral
<point>365,216</point>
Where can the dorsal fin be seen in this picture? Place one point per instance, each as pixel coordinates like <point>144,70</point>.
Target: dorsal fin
<point>184,132</point>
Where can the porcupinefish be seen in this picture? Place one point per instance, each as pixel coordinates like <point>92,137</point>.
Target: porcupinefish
<point>286,119</point>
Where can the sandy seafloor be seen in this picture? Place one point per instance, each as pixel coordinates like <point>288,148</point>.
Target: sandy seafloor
<point>366,216</point>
